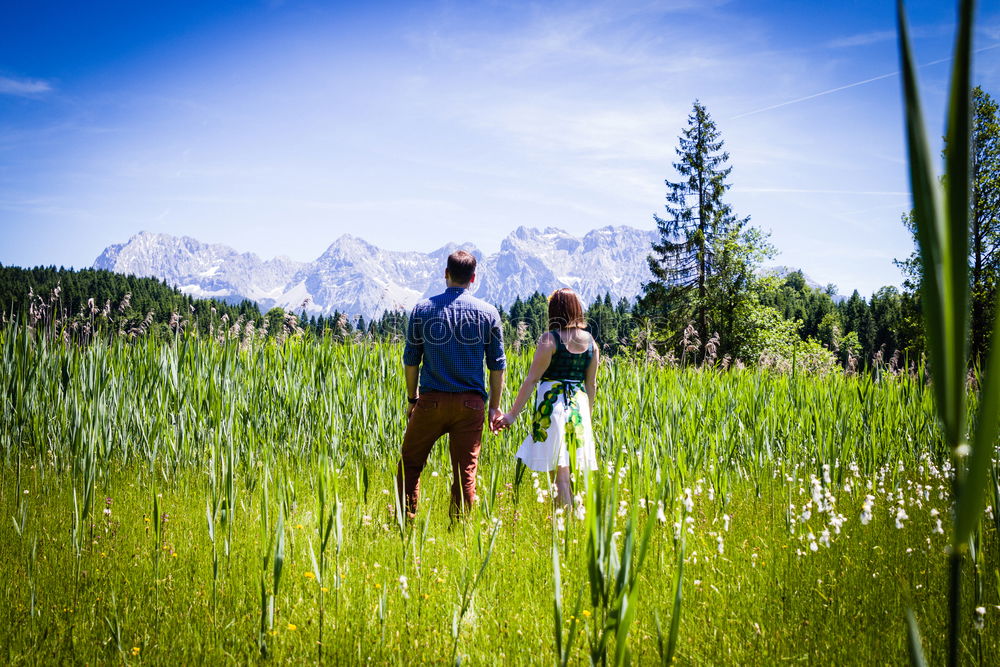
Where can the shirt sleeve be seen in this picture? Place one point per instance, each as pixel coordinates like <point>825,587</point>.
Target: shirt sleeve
<point>496,360</point>
<point>413,351</point>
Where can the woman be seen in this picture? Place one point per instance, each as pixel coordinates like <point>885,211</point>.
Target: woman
<point>565,365</point>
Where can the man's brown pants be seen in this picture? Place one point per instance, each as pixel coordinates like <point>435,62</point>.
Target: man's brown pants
<point>461,416</point>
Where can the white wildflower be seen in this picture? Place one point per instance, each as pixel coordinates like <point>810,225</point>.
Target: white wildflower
<point>866,509</point>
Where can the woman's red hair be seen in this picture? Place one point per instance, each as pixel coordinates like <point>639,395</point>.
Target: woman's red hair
<point>565,310</point>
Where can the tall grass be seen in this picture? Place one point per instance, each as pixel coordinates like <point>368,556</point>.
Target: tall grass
<point>274,462</point>
<point>943,233</point>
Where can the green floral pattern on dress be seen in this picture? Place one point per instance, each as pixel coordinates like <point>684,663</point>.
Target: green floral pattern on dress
<point>542,420</point>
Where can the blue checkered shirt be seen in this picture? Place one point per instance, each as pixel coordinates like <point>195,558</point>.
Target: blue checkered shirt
<point>452,333</point>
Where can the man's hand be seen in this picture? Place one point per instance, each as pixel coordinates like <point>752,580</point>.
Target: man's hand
<point>496,419</point>
<point>505,421</point>
<point>409,410</point>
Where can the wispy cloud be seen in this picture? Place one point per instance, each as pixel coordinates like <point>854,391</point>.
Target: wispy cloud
<point>879,36</point>
<point>863,39</point>
<point>810,191</point>
<point>849,85</point>
<point>24,87</point>
<point>822,93</point>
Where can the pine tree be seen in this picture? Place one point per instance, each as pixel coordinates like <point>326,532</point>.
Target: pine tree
<point>700,237</point>
<point>984,244</point>
<point>984,226</point>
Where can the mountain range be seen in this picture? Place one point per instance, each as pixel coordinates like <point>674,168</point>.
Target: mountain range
<point>355,277</point>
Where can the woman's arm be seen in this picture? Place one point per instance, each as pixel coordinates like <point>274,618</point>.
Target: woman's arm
<point>590,381</point>
<point>544,350</point>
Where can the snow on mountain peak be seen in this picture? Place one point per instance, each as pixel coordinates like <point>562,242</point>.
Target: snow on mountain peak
<point>359,278</point>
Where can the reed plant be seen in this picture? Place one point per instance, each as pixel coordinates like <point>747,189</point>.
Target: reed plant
<point>941,210</point>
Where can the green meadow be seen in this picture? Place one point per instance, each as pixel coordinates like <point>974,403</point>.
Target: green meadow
<point>206,501</point>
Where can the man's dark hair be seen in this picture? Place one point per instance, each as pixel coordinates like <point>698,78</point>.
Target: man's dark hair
<point>461,267</point>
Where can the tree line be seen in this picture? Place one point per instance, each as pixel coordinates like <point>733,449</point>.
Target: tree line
<point>129,304</point>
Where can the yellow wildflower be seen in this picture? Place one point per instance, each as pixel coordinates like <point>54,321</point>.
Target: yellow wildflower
<point>292,627</point>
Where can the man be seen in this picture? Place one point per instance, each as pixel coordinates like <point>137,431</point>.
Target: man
<point>451,334</point>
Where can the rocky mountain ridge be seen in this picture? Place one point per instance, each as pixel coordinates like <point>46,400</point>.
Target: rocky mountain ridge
<point>356,277</point>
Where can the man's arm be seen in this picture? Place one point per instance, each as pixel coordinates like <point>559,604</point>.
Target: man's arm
<point>412,379</point>
<point>496,361</point>
<point>496,388</point>
<point>413,352</point>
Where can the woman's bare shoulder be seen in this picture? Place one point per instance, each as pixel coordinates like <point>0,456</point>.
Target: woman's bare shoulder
<point>546,340</point>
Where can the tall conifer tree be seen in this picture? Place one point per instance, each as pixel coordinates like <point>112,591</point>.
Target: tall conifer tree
<point>694,231</point>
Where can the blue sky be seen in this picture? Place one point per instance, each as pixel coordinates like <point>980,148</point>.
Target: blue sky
<point>275,127</point>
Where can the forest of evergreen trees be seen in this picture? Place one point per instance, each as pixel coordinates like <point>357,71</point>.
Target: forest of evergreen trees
<point>856,327</point>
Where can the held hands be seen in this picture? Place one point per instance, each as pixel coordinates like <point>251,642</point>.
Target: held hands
<point>496,419</point>
<point>500,421</point>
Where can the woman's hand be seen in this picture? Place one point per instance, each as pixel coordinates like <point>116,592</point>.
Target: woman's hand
<point>501,421</point>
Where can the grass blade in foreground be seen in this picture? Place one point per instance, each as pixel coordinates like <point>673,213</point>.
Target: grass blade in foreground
<point>915,644</point>
<point>943,239</point>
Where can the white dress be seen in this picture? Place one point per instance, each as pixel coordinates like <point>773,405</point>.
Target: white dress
<point>561,419</point>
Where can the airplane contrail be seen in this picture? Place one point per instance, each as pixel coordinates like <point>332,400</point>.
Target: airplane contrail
<point>850,85</point>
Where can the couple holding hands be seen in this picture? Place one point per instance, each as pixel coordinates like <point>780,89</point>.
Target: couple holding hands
<point>448,337</point>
